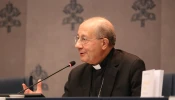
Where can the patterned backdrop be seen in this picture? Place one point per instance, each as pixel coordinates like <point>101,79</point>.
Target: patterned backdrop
<point>37,36</point>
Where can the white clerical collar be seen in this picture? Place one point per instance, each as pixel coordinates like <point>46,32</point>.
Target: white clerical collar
<point>97,67</point>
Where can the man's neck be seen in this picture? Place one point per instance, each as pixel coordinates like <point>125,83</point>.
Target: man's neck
<point>105,54</point>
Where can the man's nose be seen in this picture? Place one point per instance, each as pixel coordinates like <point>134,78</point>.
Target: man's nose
<point>78,44</point>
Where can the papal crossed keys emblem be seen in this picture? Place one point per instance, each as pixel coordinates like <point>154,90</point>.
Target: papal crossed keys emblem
<point>8,15</point>
<point>143,7</point>
<point>37,74</point>
<point>72,10</point>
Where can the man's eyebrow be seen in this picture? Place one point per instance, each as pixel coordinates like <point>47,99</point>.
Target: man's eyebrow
<point>81,35</point>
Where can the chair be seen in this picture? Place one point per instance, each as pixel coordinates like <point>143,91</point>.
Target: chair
<point>168,84</point>
<point>173,86</point>
<point>14,85</point>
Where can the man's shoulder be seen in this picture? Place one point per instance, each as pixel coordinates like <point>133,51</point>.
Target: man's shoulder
<point>80,70</point>
<point>80,67</point>
<point>127,60</point>
<point>126,56</point>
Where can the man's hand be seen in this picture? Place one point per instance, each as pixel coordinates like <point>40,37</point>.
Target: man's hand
<point>38,90</point>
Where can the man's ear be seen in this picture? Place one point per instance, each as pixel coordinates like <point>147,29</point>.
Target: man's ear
<point>105,43</point>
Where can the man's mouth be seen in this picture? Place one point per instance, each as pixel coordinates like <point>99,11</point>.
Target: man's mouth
<point>81,53</point>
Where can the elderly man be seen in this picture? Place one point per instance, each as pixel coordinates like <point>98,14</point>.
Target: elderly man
<point>107,71</point>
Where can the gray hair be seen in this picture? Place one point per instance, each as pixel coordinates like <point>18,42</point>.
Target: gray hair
<point>106,30</point>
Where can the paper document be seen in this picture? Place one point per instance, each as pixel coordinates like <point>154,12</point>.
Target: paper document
<point>152,81</point>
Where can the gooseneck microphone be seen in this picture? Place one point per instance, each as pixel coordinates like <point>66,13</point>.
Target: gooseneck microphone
<point>72,63</point>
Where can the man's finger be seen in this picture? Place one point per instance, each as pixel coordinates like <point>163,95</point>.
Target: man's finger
<point>24,86</point>
<point>39,86</point>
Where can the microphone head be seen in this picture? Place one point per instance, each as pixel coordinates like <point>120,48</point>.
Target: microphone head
<point>72,63</point>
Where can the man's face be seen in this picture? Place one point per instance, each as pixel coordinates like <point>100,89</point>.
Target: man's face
<point>89,47</point>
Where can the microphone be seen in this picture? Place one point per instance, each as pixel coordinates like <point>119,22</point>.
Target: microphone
<point>72,63</point>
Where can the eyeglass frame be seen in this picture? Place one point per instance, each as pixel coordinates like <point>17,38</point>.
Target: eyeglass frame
<point>84,40</point>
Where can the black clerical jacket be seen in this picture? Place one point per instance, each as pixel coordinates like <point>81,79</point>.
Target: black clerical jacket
<point>122,77</point>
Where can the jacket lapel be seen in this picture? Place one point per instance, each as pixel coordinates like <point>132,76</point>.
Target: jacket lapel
<point>109,80</point>
<point>111,74</point>
<point>86,81</point>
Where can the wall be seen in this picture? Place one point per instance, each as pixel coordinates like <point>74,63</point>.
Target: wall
<point>12,44</point>
<point>44,40</point>
<point>167,36</point>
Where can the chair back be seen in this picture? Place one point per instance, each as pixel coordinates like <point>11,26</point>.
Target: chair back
<point>168,84</point>
<point>14,85</point>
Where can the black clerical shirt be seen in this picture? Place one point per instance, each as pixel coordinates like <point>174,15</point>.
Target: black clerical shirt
<point>97,76</point>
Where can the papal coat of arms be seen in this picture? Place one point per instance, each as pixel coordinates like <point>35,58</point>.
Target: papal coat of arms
<point>143,8</point>
<point>8,17</point>
<point>72,10</point>
<point>37,74</point>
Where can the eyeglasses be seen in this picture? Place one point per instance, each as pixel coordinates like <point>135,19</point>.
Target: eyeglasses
<point>84,40</point>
